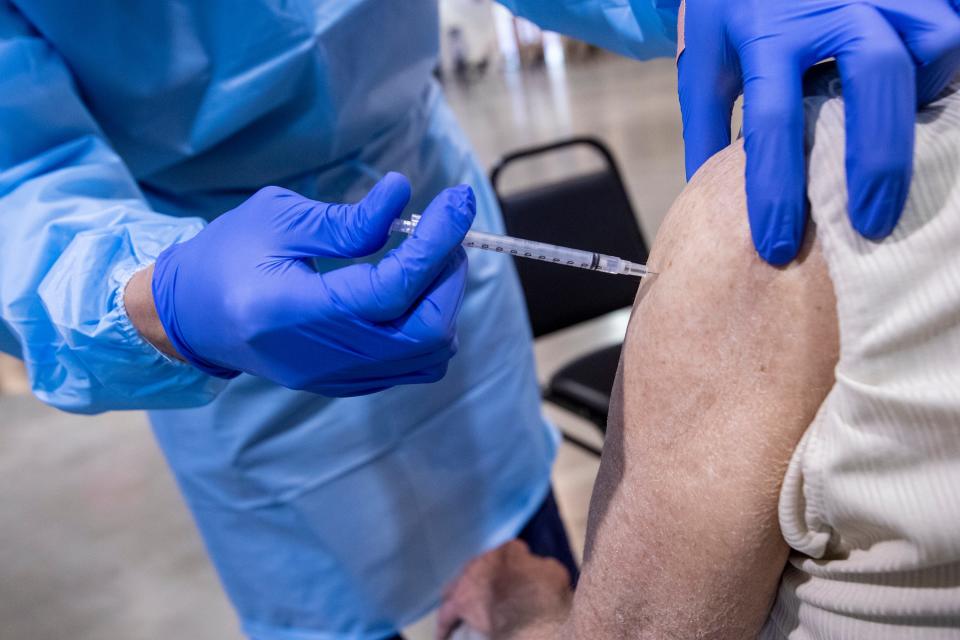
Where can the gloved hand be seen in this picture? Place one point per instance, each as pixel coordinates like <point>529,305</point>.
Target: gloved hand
<point>892,55</point>
<point>242,295</point>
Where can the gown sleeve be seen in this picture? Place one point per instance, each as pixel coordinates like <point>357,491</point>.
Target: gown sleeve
<point>640,29</point>
<point>74,227</point>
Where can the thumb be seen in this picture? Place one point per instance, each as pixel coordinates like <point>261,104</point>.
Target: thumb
<point>309,228</point>
<point>392,286</point>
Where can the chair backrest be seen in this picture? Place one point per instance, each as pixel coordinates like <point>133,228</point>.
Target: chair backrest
<point>590,211</point>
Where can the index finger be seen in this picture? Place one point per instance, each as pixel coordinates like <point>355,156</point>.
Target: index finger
<point>773,127</point>
<point>394,284</point>
<point>708,84</point>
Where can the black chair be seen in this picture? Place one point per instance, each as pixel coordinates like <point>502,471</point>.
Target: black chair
<point>590,211</point>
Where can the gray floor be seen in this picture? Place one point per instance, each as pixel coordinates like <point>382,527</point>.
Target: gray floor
<point>95,543</point>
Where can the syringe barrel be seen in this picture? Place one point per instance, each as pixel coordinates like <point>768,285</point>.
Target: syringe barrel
<point>404,226</point>
<point>536,250</point>
<point>529,249</point>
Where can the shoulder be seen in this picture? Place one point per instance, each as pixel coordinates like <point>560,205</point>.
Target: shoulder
<point>718,316</point>
<point>704,241</point>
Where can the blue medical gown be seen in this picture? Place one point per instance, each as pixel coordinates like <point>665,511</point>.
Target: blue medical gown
<point>636,28</point>
<point>123,128</point>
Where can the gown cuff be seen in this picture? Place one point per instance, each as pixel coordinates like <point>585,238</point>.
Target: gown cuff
<point>100,360</point>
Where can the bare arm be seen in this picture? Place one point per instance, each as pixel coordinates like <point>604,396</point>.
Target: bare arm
<point>725,364</point>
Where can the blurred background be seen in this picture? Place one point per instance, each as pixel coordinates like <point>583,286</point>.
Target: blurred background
<point>96,543</point>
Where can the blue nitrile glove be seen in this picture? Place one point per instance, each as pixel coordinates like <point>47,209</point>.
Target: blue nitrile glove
<point>242,295</point>
<point>891,54</point>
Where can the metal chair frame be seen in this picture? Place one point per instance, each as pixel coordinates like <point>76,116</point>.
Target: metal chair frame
<point>612,169</point>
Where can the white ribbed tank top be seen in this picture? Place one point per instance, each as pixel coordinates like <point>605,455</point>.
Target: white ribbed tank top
<point>871,501</point>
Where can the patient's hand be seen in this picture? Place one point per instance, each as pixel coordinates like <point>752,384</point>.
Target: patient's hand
<point>504,590</point>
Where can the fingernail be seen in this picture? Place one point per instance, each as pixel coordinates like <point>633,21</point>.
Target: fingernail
<point>463,191</point>
<point>874,227</point>
<point>877,200</point>
<point>462,202</point>
<point>393,180</point>
<point>879,218</point>
<point>779,253</point>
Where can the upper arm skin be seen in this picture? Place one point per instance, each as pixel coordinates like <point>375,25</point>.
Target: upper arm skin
<point>725,364</point>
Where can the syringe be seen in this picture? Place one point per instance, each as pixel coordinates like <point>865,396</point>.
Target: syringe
<point>537,251</point>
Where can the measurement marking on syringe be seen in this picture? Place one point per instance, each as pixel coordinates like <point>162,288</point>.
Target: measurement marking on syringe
<point>519,247</point>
